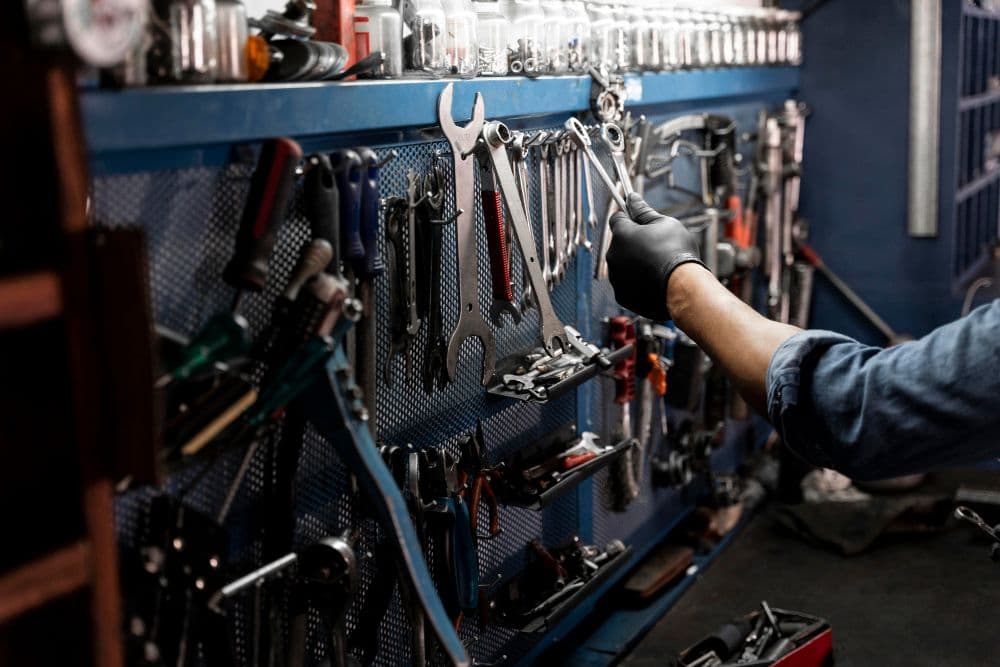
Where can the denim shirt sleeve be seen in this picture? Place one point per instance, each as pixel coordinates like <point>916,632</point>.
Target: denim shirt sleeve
<point>873,413</point>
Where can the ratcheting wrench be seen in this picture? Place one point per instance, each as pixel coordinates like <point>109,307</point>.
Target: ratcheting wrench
<point>614,139</point>
<point>579,134</point>
<point>497,136</point>
<point>471,321</point>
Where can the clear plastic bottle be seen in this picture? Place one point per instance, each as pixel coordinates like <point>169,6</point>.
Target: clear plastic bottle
<point>578,46</point>
<point>714,22</point>
<point>194,40</point>
<point>424,47</point>
<point>760,29</point>
<point>646,23</point>
<point>602,34</point>
<point>525,37</point>
<point>688,38</point>
<point>461,44</point>
<point>379,27</point>
<point>773,30</point>
<point>493,37</point>
<point>555,37</point>
<point>726,28</point>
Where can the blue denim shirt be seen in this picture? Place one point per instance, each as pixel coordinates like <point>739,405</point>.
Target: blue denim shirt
<point>874,413</point>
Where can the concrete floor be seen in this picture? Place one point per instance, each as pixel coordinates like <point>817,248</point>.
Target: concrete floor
<point>926,601</point>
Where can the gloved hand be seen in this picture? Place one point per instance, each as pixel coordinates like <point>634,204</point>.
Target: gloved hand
<point>645,249</point>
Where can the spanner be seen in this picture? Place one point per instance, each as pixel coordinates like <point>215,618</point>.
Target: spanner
<point>413,194</point>
<point>497,136</point>
<point>559,227</point>
<point>579,134</point>
<point>520,157</point>
<point>614,139</point>
<point>471,321</point>
<point>581,229</point>
<point>543,189</point>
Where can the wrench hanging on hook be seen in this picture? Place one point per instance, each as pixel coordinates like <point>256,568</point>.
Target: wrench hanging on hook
<point>471,321</point>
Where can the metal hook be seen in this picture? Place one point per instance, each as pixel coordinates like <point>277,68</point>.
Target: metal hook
<point>393,154</point>
<point>449,220</point>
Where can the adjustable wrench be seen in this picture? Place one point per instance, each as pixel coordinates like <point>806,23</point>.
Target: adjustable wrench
<point>471,322</point>
<point>579,135</point>
<point>497,136</point>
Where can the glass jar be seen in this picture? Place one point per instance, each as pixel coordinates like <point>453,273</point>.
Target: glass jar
<point>738,28</point>
<point>773,30</point>
<point>793,30</point>
<point>670,41</point>
<point>760,30</point>
<point>525,39</point>
<point>424,47</point>
<point>493,37</point>
<point>578,46</point>
<point>714,23</point>
<point>726,27</point>
<point>194,41</point>
<point>602,26</point>
<point>647,23</point>
<point>555,37</point>
<point>621,39</point>
<point>700,30</point>
<point>233,32</point>
<point>461,44</point>
<point>379,27</point>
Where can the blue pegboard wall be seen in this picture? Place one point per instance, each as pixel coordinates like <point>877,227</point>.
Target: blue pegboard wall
<point>190,216</point>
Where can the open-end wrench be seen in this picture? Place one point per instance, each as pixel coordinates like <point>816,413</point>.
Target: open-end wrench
<point>588,186</point>
<point>413,194</point>
<point>559,227</point>
<point>614,140</point>
<point>579,134</point>
<point>543,190</point>
<point>581,229</point>
<point>496,237</point>
<point>520,155</point>
<point>471,322</point>
<point>435,367</point>
<point>497,136</point>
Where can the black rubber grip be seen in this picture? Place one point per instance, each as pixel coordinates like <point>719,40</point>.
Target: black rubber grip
<point>371,265</point>
<point>322,205</point>
<point>264,211</point>
<point>348,174</point>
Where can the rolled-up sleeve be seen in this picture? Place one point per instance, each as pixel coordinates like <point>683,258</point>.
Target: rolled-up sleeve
<point>873,413</point>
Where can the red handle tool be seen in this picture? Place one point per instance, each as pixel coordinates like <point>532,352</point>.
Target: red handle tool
<point>622,333</point>
<point>496,237</point>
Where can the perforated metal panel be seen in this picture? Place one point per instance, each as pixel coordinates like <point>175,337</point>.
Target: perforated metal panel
<point>190,217</point>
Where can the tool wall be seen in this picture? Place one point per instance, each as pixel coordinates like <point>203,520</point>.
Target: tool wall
<point>189,211</point>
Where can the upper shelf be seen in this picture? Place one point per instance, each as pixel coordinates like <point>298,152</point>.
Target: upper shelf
<point>182,117</point>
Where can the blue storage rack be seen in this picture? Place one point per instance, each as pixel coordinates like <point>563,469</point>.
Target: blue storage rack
<point>171,159</point>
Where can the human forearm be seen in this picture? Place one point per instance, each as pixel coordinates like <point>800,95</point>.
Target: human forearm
<point>734,335</point>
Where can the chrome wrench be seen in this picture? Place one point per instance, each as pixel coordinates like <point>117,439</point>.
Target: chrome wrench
<point>497,136</point>
<point>543,190</point>
<point>614,140</point>
<point>581,229</point>
<point>520,157</point>
<point>579,135</point>
<point>471,321</point>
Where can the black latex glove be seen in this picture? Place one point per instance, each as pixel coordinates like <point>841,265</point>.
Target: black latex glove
<point>645,249</point>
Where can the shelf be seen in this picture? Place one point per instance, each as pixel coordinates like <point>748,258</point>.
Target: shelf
<point>43,580</point>
<point>153,118</point>
<point>28,299</point>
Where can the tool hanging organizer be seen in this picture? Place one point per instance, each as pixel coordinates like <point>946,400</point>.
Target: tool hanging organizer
<point>189,217</point>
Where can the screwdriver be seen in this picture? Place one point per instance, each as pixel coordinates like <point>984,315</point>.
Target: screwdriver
<point>348,172</point>
<point>322,206</point>
<point>270,191</point>
<point>224,337</point>
<point>372,264</point>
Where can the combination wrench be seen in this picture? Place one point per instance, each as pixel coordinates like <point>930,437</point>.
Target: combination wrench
<point>614,140</point>
<point>579,135</point>
<point>496,136</point>
<point>471,321</point>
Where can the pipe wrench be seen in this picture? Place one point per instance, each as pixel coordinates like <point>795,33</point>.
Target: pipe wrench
<point>497,136</point>
<point>471,322</point>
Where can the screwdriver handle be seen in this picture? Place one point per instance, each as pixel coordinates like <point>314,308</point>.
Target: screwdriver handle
<point>372,264</point>
<point>322,205</point>
<point>347,171</point>
<point>313,259</point>
<point>264,211</point>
